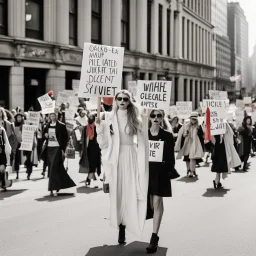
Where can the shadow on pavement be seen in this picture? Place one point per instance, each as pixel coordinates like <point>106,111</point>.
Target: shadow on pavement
<point>10,193</point>
<point>86,190</point>
<point>240,171</point>
<point>59,196</point>
<point>211,192</point>
<point>36,179</point>
<point>188,180</point>
<point>132,249</point>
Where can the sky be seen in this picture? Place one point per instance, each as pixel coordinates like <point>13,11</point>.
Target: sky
<point>249,7</point>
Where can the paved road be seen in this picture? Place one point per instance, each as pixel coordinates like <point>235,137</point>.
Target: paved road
<point>198,221</point>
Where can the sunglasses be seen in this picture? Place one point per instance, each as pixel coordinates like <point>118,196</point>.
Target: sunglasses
<point>158,116</point>
<point>124,99</point>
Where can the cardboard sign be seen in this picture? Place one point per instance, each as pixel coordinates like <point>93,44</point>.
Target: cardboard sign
<point>184,109</point>
<point>73,101</point>
<point>239,118</point>
<point>33,118</point>
<point>70,113</point>
<point>47,104</point>
<point>70,124</point>
<point>101,73</point>
<point>240,104</point>
<point>218,95</point>
<point>28,132</point>
<point>247,100</point>
<point>75,86</point>
<point>173,111</point>
<point>156,149</point>
<point>62,98</point>
<point>132,88</point>
<point>154,94</point>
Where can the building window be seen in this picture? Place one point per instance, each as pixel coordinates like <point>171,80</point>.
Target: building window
<point>160,26</point>
<point>125,24</point>
<point>185,89</point>
<point>188,38</point>
<point>96,21</point>
<point>149,25</point>
<point>3,17</point>
<point>34,19</point>
<point>73,22</point>
<point>183,37</point>
<point>168,30</point>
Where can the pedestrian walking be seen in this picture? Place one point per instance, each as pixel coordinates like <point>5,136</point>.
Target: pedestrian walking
<point>125,164</point>
<point>159,177</point>
<point>176,126</point>
<point>57,139</point>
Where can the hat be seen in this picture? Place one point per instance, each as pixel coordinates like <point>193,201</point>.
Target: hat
<point>194,115</point>
<point>19,114</point>
<point>50,93</point>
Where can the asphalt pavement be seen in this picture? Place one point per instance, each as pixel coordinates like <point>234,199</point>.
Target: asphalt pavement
<point>198,220</point>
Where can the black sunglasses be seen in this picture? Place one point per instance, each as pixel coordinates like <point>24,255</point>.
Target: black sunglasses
<point>124,99</point>
<point>154,115</point>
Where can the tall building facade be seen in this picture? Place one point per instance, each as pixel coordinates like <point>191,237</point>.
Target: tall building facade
<point>41,44</point>
<point>238,35</point>
<point>253,68</point>
<point>223,47</point>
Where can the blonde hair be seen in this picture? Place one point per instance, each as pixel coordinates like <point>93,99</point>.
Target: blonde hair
<point>134,120</point>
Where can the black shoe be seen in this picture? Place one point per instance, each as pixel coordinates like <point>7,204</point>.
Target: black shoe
<point>121,237</point>
<point>43,173</point>
<point>214,184</point>
<point>152,248</point>
<point>194,174</point>
<point>57,190</point>
<point>219,185</point>
<point>51,194</point>
<point>188,173</point>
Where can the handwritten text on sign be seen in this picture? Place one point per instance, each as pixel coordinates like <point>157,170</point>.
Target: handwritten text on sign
<point>218,95</point>
<point>46,103</point>
<point>33,118</point>
<point>154,94</point>
<point>101,73</point>
<point>156,149</point>
<point>28,132</point>
<point>184,109</point>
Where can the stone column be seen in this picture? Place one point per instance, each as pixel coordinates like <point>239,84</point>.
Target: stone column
<point>188,90</point>
<point>193,95</point>
<point>154,28</point>
<point>62,18</point>
<point>185,32</point>
<point>141,25</point>
<point>16,87</point>
<point>164,34</point>
<point>190,41</point>
<point>50,20</point>
<point>16,18</point>
<point>172,34</point>
<point>133,26</point>
<point>180,88</point>
<point>173,91</point>
<point>207,48</point>
<point>198,45</point>
<point>84,22</point>
<point>106,24</point>
<point>178,33</point>
<point>116,11</point>
<point>194,39</point>
<point>55,80</point>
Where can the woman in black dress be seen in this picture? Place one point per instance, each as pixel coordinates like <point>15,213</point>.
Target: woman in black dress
<point>159,179</point>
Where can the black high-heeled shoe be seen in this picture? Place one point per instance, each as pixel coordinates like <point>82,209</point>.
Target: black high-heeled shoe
<point>152,248</point>
<point>214,184</point>
<point>219,185</point>
<point>121,236</point>
<point>188,173</point>
<point>194,174</point>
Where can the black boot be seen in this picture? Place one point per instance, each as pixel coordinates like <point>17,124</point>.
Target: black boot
<point>152,248</point>
<point>121,237</point>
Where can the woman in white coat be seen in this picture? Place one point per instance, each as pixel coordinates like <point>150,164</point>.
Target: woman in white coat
<point>123,139</point>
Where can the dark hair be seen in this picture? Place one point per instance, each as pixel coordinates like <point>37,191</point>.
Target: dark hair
<point>245,120</point>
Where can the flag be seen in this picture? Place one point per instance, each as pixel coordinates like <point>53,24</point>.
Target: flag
<point>207,136</point>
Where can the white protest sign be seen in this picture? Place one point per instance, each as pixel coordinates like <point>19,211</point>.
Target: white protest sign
<point>218,95</point>
<point>173,111</point>
<point>201,120</point>
<point>62,98</point>
<point>247,100</point>
<point>156,149</point>
<point>239,118</point>
<point>70,113</point>
<point>132,88</point>
<point>253,117</point>
<point>154,94</point>
<point>217,115</point>
<point>28,132</point>
<point>75,86</point>
<point>69,93</point>
<point>202,107</point>
<point>47,104</point>
<point>184,109</point>
<point>240,104</point>
<point>70,125</point>
<point>101,73</point>
<point>73,101</point>
<point>33,118</point>
<point>91,104</point>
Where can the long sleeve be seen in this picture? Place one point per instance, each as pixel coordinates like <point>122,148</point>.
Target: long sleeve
<point>8,148</point>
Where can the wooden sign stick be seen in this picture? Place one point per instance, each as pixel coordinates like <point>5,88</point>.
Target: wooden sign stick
<point>98,109</point>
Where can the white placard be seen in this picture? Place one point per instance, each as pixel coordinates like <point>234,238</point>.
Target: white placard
<point>28,132</point>
<point>218,95</point>
<point>156,149</point>
<point>91,104</point>
<point>102,69</point>
<point>239,118</point>
<point>184,109</point>
<point>75,86</point>
<point>173,111</point>
<point>62,98</point>
<point>247,100</point>
<point>78,134</point>
<point>47,104</point>
<point>70,113</point>
<point>240,104</point>
<point>33,118</point>
<point>154,94</point>
<point>73,101</point>
<point>132,88</point>
<point>70,124</point>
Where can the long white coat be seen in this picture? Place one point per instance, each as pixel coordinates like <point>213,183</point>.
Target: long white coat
<point>110,144</point>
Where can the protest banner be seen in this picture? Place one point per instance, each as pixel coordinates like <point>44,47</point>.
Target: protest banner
<point>154,94</point>
<point>91,104</point>
<point>247,100</point>
<point>184,109</point>
<point>173,111</point>
<point>132,88</point>
<point>73,101</point>
<point>61,98</point>
<point>28,132</point>
<point>218,95</point>
<point>101,73</point>
<point>248,110</point>
<point>70,124</point>
<point>47,104</point>
<point>239,118</point>
<point>33,118</point>
<point>217,115</point>
<point>70,113</point>
<point>156,149</point>
<point>240,104</point>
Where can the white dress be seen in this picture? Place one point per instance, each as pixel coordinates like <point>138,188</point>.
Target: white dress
<point>127,174</point>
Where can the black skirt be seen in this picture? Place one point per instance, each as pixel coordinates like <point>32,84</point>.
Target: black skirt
<point>94,157</point>
<point>187,159</point>
<point>58,176</point>
<point>3,159</point>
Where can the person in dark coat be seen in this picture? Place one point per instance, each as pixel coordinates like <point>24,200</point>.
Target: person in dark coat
<point>57,140</point>
<point>176,126</point>
<point>90,161</point>
<point>246,132</point>
<point>61,114</point>
<point>159,179</point>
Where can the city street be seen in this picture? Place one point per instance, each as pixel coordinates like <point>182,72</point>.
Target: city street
<point>198,220</point>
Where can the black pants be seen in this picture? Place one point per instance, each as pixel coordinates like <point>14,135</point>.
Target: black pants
<point>245,158</point>
<point>17,159</point>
